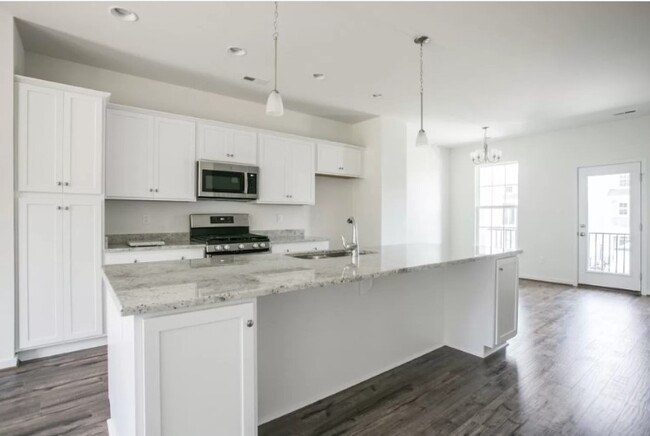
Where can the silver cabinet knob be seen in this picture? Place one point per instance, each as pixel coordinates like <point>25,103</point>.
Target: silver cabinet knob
<point>182,257</point>
<point>500,269</point>
<point>67,183</point>
<point>59,208</point>
<point>67,208</point>
<point>250,323</point>
<point>156,189</point>
<point>135,260</point>
<point>583,234</point>
<point>150,189</point>
<point>58,183</point>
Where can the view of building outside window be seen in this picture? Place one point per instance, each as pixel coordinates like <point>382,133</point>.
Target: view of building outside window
<point>496,207</point>
<point>609,223</point>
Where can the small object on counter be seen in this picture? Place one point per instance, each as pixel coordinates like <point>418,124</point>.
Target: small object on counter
<point>145,243</point>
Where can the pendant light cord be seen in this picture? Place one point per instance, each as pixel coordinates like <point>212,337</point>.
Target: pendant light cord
<point>275,41</point>
<point>421,88</point>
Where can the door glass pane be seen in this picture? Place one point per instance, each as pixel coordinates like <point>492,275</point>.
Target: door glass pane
<point>608,223</point>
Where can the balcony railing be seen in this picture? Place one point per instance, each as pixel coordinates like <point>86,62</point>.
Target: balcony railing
<point>496,240</point>
<point>609,253</point>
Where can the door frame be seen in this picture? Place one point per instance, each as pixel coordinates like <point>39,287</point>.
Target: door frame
<point>643,219</point>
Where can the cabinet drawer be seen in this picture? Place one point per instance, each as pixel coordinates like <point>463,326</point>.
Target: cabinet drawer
<point>299,247</point>
<point>158,255</point>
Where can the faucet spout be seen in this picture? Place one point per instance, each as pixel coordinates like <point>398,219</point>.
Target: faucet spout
<point>354,245</point>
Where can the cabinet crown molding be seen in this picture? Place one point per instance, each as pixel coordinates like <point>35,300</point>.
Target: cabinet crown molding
<point>60,86</point>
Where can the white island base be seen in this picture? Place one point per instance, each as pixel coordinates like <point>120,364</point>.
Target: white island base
<point>222,370</point>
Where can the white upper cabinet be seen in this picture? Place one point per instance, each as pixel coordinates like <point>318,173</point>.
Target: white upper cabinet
<point>226,145</point>
<point>149,157</point>
<point>338,160</point>
<point>287,170</point>
<point>175,169</point>
<point>129,154</point>
<point>60,137</point>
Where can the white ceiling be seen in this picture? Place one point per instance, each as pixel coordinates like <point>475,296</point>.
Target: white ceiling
<point>518,67</point>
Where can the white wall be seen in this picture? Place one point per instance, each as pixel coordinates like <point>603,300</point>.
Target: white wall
<point>427,199</point>
<point>7,265</point>
<point>333,197</point>
<point>548,165</point>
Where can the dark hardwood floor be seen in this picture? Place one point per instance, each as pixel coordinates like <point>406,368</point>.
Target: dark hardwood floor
<point>579,366</point>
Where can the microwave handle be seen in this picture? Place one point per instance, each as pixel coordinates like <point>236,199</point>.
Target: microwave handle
<point>246,183</point>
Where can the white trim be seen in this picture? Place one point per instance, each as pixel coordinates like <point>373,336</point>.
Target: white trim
<point>60,86</point>
<point>53,350</point>
<point>549,280</point>
<point>9,363</point>
<point>111,427</point>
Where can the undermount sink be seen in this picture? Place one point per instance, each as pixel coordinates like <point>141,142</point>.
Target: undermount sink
<point>326,254</point>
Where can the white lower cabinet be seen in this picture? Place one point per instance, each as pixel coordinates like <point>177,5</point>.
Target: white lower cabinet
<point>507,299</point>
<point>154,255</point>
<point>299,247</point>
<point>59,284</point>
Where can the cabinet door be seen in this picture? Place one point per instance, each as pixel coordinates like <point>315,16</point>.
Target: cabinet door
<point>507,299</point>
<point>273,170</point>
<point>214,143</point>
<point>129,155</point>
<point>40,139</point>
<point>244,146</point>
<point>40,285</point>
<point>301,172</point>
<point>175,167</point>
<point>83,134</point>
<point>351,161</point>
<point>227,145</point>
<point>328,159</point>
<point>82,263</point>
<point>199,372</point>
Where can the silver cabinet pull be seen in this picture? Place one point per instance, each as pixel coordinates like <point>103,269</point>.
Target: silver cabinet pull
<point>501,269</point>
<point>58,183</point>
<point>67,208</point>
<point>59,208</point>
<point>583,234</point>
<point>182,257</point>
<point>156,190</point>
<point>135,260</point>
<point>67,183</point>
<point>250,323</point>
<point>150,189</point>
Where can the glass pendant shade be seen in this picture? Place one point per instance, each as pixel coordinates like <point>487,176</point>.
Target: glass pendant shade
<point>422,140</point>
<point>274,106</point>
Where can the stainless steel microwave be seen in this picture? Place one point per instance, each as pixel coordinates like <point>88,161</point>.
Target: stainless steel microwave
<point>218,180</point>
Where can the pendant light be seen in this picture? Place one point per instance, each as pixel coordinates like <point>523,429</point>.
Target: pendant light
<point>274,106</point>
<point>485,156</point>
<point>422,140</point>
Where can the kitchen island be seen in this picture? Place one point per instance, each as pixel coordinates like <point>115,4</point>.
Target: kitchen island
<point>219,345</point>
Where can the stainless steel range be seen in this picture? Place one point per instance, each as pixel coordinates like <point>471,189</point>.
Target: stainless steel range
<point>226,234</point>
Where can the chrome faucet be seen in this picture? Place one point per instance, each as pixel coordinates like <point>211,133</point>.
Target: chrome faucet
<point>354,245</point>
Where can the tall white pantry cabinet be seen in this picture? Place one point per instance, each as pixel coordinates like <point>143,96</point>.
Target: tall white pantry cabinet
<point>60,143</point>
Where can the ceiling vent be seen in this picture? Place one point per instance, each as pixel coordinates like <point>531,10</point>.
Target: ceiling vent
<point>625,113</point>
<point>255,80</point>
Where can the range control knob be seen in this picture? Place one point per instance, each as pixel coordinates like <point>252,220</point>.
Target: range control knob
<point>226,247</point>
<point>241,246</point>
<point>256,245</point>
<point>219,247</point>
<point>263,244</point>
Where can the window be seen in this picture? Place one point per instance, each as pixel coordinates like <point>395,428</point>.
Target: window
<point>624,180</point>
<point>496,207</point>
<point>622,209</point>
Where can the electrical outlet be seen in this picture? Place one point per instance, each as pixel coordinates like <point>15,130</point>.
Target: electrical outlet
<point>146,219</point>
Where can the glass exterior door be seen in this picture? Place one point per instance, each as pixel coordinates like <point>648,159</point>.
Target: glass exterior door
<point>609,226</point>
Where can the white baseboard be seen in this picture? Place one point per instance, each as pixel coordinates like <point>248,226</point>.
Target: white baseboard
<point>8,363</point>
<point>342,387</point>
<point>111,427</point>
<point>548,280</point>
<point>52,350</point>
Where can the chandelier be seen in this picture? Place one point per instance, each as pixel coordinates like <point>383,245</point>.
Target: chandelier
<point>484,156</point>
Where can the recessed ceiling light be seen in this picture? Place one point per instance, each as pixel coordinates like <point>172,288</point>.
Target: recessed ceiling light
<point>318,76</point>
<point>377,95</point>
<point>236,51</point>
<point>124,14</point>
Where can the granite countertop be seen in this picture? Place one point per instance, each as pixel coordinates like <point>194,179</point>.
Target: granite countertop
<point>165,286</point>
<point>119,247</point>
